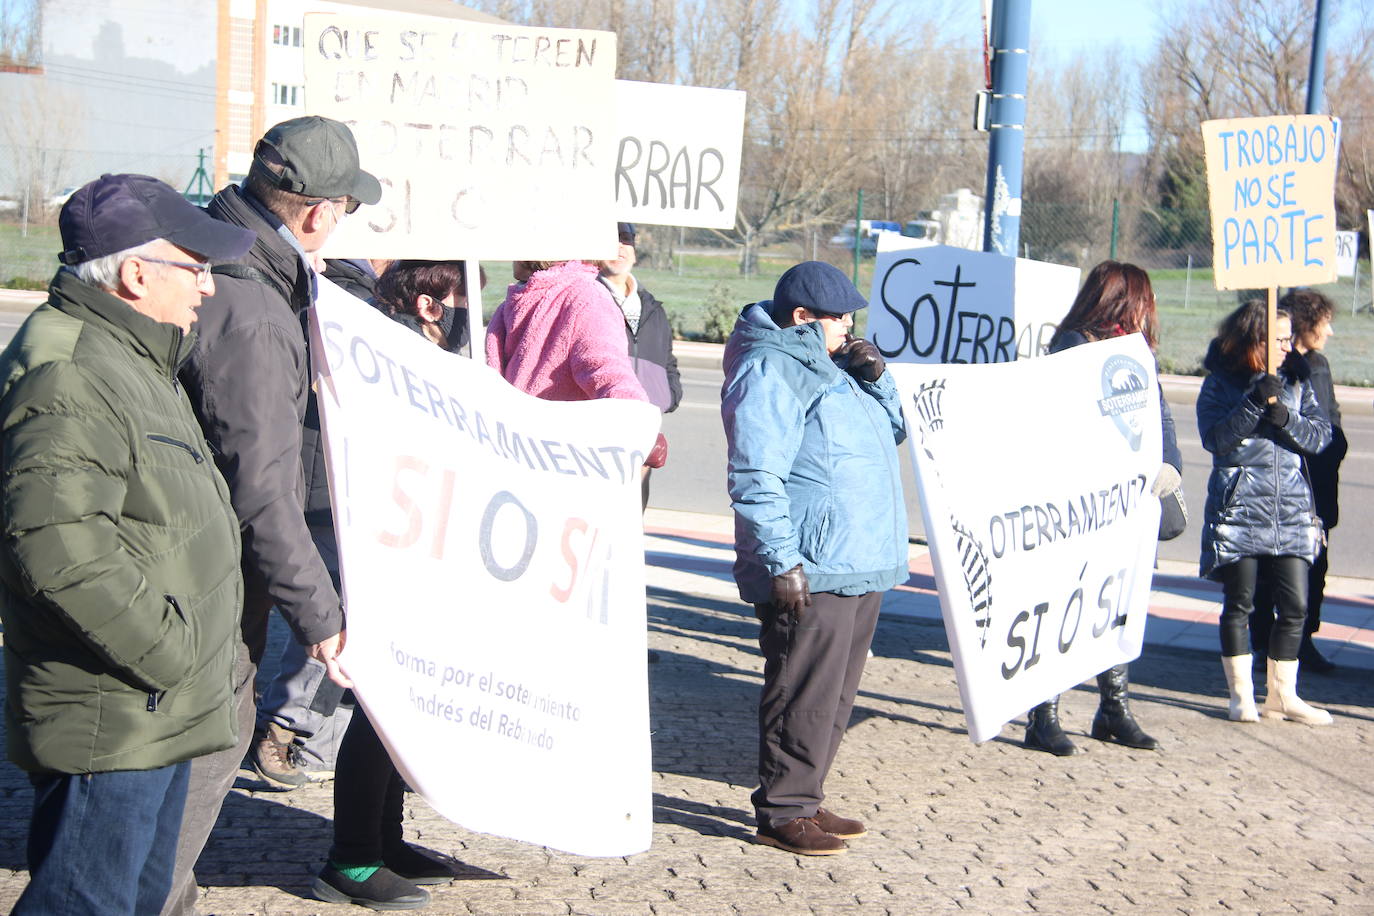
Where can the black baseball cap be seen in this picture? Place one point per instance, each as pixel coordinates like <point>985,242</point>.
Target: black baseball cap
<point>627,233</point>
<point>320,158</point>
<point>817,287</point>
<point>116,212</point>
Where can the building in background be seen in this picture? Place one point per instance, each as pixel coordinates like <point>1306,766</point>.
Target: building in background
<point>95,86</point>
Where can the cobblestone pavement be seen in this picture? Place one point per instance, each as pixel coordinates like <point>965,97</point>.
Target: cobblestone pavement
<point>1268,818</point>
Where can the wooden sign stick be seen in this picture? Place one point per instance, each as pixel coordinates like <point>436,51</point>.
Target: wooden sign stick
<point>1272,319</point>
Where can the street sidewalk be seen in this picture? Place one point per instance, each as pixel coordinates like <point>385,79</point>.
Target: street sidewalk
<point>694,550</point>
<point>1225,818</point>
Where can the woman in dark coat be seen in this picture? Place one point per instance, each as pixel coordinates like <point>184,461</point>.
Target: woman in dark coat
<point>1260,519</point>
<point>1116,299</point>
<point>1310,313</point>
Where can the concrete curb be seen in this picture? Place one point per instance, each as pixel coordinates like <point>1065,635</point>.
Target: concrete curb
<point>1179,389</point>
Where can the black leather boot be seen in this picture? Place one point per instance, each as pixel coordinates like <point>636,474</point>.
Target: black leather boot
<point>1114,721</point>
<point>1043,732</point>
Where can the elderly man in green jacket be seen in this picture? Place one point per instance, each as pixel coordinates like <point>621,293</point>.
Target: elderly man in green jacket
<point>120,588</point>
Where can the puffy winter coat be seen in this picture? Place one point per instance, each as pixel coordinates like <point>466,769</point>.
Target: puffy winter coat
<point>559,337</point>
<point>248,379</point>
<point>813,473</point>
<point>120,565</point>
<point>1259,502</point>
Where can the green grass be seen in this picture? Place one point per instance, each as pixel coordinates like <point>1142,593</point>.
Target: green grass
<point>31,257</point>
<point>700,290</point>
<point>1189,314</point>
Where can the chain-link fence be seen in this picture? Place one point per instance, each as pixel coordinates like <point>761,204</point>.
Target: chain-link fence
<point>36,181</point>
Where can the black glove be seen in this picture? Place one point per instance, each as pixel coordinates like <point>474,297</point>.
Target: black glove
<point>1276,413</point>
<point>1265,389</point>
<point>792,591</point>
<point>861,359</point>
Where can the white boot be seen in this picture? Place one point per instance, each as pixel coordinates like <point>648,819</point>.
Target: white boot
<point>1242,687</point>
<point>1282,700</point>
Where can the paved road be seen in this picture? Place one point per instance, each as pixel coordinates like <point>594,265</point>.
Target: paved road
<point>694,479</point>
<point>1227,818</point>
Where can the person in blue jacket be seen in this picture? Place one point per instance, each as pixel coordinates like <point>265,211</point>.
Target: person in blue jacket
<point>812,420</point>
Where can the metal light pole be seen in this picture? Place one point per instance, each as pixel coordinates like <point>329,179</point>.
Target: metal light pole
<point>1316,70</point>
<point>1010,30</point>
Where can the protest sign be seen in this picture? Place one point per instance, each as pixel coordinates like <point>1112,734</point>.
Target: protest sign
<point>493,574</point>
<point>1347,247</point>
<point>491,141</point>
<point>1034,480</point>
<point>1271,183</point>
<point>940,304</point>
<point>679,155</point>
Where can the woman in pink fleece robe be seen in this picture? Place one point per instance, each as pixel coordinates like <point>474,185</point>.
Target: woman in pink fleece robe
<point>560,337</point>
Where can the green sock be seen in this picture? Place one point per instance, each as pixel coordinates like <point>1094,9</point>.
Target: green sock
<point>357,873</point>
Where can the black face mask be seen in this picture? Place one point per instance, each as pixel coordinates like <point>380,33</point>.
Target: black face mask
<point>454,323</point>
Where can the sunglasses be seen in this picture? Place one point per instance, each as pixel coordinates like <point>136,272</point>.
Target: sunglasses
<point>200,268</point>
<point>350,204</point>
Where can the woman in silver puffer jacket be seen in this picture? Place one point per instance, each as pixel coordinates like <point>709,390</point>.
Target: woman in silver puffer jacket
<point>1260,519</point>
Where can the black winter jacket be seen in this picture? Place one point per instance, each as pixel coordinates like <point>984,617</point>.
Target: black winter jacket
<point>248,379</point>
<point>1325,467</point>
<point>654,342</point>
<point>1258,499</point>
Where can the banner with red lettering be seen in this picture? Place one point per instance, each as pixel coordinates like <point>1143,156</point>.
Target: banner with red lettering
<point>492,554</point>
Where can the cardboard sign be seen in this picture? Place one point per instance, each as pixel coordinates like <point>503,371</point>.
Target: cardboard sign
<point>1347,248</point>
<point>938,304</point>
<point>679,156</point>
<point>491,141</point>
<point>1271,183</point>
<point>493,570</point>
<point>1043,556</point>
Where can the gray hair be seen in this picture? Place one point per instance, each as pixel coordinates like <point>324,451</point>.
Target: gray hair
<point>104,272</point>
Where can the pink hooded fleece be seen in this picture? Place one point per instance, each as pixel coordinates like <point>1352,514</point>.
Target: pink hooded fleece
<point>562,338</point>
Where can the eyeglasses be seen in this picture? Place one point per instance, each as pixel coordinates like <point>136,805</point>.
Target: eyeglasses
<point>1283,340</point>
<point>350,204</point>
<point>200,268</point>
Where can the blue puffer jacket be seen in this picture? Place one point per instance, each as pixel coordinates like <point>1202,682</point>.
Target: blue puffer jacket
<point>813,464</point>
<point>1258,499</point>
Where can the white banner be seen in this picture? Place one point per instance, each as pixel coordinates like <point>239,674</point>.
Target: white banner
<point>1034,480</point>
<point>493,142</point>
<point>679,156</point>
<point>493,572</point>
<point>940,304</point>
<point>1347,248</point>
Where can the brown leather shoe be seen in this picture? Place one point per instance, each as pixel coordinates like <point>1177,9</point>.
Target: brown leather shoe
<point>845,828</point>
<point>802,836</point>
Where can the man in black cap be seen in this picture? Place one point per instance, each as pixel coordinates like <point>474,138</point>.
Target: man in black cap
<point>119,582</point>
<point>249,382</point>
<point>812,419</point>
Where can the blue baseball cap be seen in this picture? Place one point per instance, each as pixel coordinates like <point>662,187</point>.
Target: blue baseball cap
<point>117,212</point>
<point>817,287</point>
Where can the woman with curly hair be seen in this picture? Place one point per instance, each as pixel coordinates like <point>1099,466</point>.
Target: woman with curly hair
<point>1310,313</point>
<point>1260,521</point>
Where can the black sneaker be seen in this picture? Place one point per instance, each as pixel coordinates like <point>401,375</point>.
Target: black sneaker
<point>276,758</point>
<point>416,867</point>
<point>385,890</point>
